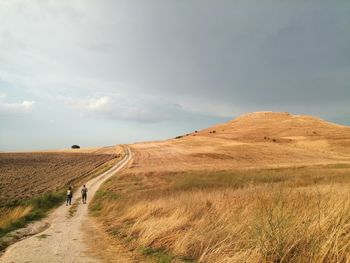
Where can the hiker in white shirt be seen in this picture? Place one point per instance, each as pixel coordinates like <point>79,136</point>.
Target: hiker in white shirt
<point>69,196</point>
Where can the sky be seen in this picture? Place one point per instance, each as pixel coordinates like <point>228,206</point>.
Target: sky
<point>105,72</point>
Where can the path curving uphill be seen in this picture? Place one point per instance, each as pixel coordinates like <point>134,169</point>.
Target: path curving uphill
<point>63,241</point>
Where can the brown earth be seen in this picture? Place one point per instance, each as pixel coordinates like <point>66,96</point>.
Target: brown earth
<point>94,150</point>
<point>67,228</point>
<point>24,175</point>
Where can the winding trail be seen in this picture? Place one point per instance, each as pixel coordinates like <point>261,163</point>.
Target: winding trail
<point>63,241</point>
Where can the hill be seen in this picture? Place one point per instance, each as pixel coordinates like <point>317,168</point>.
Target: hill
<point>282,126</point>
<point>262,139</point>
<point>264,187</point>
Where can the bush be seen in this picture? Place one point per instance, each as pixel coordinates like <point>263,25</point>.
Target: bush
<point>75,146</point>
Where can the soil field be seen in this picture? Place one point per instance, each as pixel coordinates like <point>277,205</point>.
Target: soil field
<point>24,175</point>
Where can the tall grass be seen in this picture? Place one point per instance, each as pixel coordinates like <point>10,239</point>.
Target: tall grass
<point>19,213</point>
<point>12,214</point>
<point>284,215</point>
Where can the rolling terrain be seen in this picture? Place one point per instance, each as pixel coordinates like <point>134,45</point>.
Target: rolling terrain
<point>31,183</point>
<point>264,187</point>
<point>64,238</point>
<point>262,139</point>
<point>24,175</point>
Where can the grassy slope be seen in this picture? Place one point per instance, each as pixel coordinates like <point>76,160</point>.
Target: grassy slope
<point>198,198</point>
<point>234,216</point>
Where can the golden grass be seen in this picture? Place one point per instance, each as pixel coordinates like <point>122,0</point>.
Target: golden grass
<point>265,187</point>
<point>270,215</point>
<point>10,215</point>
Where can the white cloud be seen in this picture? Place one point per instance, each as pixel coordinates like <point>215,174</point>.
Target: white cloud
<point>98,104</point>
<point>128,108</point>
<point>93,105</point>
<point>16,107</point>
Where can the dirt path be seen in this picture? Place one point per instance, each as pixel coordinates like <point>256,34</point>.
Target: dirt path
<point>64,241</point>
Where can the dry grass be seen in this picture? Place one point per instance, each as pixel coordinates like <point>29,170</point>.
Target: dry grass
<point>91,150</point>
<point>262,188</point>
<point>238,216</point>
<point>253,225</point>
<point>260,140</point>
<point>10,215</point>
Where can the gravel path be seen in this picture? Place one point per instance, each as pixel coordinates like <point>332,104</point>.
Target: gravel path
<point>64,240</point>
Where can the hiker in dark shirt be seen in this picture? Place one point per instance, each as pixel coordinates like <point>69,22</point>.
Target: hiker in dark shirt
<point>69,196</point>
<point>84,194</point>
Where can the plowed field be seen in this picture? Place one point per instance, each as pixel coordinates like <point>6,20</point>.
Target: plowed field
<point>23,175</point>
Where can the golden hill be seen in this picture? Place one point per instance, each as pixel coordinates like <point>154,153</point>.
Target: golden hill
<point>262,139</point>
<point>264,187</point>
<point>284,127</point>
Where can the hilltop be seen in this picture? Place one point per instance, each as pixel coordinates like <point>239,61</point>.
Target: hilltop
<point>261,139</point>
<point>282,126</point>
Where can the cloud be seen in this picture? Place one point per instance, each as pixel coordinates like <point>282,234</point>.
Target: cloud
<point>16,107</point>
<point>130,108</point>
<point>167,62</point>
<point>243,55</point>
<point>93,105</point>
<point>195,57</point>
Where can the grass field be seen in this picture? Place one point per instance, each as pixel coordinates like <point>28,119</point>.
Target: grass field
<point>269,215</point>
<point>234,196</point>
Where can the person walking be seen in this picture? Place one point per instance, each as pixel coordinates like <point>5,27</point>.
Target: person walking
<point>84,191</point>
<point>69,196</point>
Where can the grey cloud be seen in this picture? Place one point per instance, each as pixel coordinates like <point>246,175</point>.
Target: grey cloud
<point>244,55</point>
<point>209,57</point>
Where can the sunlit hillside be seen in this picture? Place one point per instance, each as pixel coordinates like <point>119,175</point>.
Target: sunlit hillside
<point>265,187</point>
